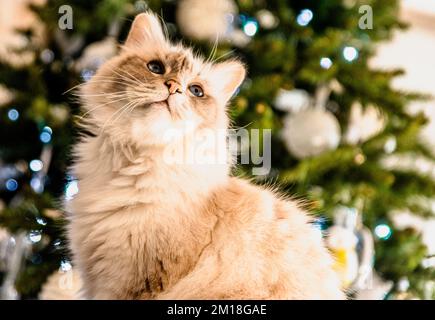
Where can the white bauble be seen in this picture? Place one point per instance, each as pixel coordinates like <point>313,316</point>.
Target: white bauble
<point>311,132</point>
<point>205,19</point>
<point>292,100</point>
<point>342,242</point>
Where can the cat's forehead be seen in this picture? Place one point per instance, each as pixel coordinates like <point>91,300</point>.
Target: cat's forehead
<point>182,60</point>
<point>179,61</point>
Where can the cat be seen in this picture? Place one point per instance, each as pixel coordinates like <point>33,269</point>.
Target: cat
<point>142,227</point>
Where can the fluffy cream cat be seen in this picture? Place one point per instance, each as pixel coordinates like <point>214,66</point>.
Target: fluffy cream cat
<point>142,227</point>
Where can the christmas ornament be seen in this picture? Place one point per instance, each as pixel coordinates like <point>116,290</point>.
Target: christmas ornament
<point>206,20</point>
<point>292,100</point>
<point>353,248</point>
<point>363,124</point>
<point>342,241</point>
<point>311,132</point>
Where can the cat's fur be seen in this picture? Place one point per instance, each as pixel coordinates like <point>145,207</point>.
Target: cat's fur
<point>141,228</point>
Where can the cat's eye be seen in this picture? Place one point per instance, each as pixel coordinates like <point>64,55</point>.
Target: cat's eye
<point>196,90</point>
<point>156,66</point>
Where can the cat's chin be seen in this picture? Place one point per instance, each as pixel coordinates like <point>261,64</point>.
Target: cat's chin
<point>161,104</point>
<point>158,105</point>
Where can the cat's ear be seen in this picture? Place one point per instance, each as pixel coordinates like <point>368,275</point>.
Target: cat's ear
<point>146,29</point>
<point>229,75</point>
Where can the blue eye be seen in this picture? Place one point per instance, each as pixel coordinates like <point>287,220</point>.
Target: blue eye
<point>156,66</point>
<point>196,90</point>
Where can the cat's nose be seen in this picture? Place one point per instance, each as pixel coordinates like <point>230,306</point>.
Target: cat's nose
<point>173,86</point>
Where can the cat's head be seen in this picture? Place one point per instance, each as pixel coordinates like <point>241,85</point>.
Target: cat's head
<point>153,86</point>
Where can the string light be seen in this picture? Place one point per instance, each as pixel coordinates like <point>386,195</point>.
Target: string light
<point>41,221</point>
<point>250,28</point>
<point>87,74</point>
<point>45,135</point>
<point>350,53</point>
<point>383,231</point>
<point>57,243</point>
<point>47,129</point>
<point>35,236</point>
<point>71,189</point>
<point>13,114</point>
<point>325,63</point>
<point>47,56</point>
<point>36,184</point>
<point>11,185</point>
<point>390,145</point>
<point>403,284</point>
<point>36,165</point>
<point>304,17</point>
<point>65,266</point>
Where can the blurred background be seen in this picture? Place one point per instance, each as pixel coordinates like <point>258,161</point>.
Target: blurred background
<point>345,85</point>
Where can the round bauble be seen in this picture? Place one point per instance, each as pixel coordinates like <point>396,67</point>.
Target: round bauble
<point>311,132</point>
<point>205,20</point>
<point>292,100</point>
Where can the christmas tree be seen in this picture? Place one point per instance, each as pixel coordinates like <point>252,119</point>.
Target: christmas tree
<point>341,135</point>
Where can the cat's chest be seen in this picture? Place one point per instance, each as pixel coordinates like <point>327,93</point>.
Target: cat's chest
<point>138,252</point>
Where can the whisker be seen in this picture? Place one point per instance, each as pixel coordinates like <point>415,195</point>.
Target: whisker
<point>104,94</point>
<point>104,80</point>
<point>213,50</point>
<point>99,106</point>
<point>165,27</point>
<point>125,108</point>
<point>225,55</point>
<point>133,80</point>
<point>113,115</point>
<point>128,73</point>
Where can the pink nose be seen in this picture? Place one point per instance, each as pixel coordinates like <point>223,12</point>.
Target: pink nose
<point>173,86</point>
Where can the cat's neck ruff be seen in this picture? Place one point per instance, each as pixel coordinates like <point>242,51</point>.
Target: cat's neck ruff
<point>114,174</point>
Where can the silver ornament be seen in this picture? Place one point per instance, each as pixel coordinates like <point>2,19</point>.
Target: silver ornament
<point>206,20</point>
<point>311,132</point>
<point>292,100</point>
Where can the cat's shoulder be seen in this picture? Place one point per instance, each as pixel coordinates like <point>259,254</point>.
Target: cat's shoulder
<point>246,200</point>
